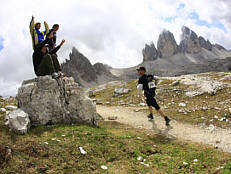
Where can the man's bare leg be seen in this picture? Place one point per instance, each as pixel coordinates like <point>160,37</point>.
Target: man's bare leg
<point>167,120</point>
<point>150,109</point>
<point>161,113</point>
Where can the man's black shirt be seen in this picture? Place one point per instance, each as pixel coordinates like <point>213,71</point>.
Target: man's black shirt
<point>144,81</point>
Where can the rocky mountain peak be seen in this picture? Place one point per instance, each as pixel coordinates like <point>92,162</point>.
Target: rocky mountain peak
<point>80,68</point>
<point>189,41</point>
<point>205,44</point>
<point>101,69</point>
<point>149,52</point>
<point>75,50</point>
<point>166,44</point>
<point>188,34</point>
<point>219,47</point>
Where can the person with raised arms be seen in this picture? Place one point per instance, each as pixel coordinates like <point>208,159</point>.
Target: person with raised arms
<point>36,35</point>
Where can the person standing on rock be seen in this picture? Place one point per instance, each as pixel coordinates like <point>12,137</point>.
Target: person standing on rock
<point>46,62</point>
<point>146,84</point>
<point>36,35</point>
<point>52,43</point>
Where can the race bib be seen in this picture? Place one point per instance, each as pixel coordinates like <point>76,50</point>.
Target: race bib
<point>151,85</point>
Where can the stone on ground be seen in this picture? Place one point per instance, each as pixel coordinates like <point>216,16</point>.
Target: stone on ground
<point>18,121</point>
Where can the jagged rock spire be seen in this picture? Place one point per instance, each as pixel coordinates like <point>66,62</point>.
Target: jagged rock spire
<point>166,44</point>
<point>149,52</point>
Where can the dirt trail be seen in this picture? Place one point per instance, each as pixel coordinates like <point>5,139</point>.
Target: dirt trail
<point>215,136</point>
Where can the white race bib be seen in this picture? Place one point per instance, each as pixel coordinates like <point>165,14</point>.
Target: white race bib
<point>151,85</point>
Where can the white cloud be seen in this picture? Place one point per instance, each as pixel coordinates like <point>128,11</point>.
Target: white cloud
<point>108,31</point>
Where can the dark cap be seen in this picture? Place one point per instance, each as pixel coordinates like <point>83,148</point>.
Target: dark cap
<point>141,68</point>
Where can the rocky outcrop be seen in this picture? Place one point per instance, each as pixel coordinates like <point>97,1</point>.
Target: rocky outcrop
<point>205,44</point>
<point>219,47</point>
<point>166,44</point>
<point>197,48</point>
<point>149,52</point>
<point>55,101</point>
<point>121,91</point>
<point>101,69</point>
<point>79,67</point>
<point>18,121</point>
<point>83,72</point>
<point>189,41</point>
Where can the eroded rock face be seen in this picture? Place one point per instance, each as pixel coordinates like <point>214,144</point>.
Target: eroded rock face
<point>84,73</point>
<point>79,67</point>
<point>166,44</point>
<point>189,41</point>
<point>219,47</point>
<point>51,101</point>
<point>101,69</point>
<point>149,52</point>
<point>18,121</point>
<point>205,44</point>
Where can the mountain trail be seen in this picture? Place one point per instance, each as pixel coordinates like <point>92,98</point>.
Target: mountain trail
<point>217,137</point>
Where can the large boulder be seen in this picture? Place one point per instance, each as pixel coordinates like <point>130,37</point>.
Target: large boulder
<point>54,101</point>
<point>149,52</point>
<point>189,41</point>
<point>166,44</point>
<point>18,121</point>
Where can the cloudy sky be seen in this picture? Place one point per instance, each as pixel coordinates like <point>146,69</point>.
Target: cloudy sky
<point>108,31</point>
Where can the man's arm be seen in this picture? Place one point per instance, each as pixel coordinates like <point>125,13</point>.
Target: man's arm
<point>57,48</point>
<point>156,80</point>
<point>53,51</point>
<point>46,28</point>
<point>32,25</point>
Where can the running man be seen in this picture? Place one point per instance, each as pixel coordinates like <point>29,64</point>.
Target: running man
<point>146,84</point>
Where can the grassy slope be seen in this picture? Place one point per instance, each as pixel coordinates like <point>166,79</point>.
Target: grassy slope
<point>113,145</point>
<point>166,95</point>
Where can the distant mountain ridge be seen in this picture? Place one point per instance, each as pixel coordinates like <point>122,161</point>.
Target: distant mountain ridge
<point>192,56</point>
<point>190,44</point>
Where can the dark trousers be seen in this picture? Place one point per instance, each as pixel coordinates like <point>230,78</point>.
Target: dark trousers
<point>49,65</point>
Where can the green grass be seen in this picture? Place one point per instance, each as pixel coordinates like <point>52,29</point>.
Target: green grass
<point>169,97</point>
<point>113,144</point>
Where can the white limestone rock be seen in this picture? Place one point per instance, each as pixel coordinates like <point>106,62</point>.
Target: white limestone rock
<point>18,121</point>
